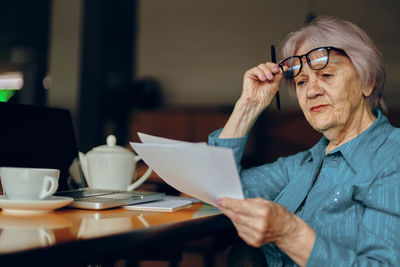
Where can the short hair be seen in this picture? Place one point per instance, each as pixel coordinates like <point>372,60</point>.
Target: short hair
<point>340,33</point>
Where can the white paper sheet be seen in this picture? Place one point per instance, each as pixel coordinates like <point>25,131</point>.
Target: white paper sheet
<point>165,204</point>
<point>197,169</point>
<point>151,139</point>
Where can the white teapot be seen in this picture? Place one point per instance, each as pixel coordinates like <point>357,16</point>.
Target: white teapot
<point>111,167</point>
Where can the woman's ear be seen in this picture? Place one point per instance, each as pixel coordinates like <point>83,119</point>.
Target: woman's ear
<point>367,90</point>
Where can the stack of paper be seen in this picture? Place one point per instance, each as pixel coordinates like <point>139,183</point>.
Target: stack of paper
<point>169,203</point>
<point>197,169</point>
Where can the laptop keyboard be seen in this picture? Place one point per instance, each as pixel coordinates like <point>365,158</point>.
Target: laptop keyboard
<point>87,192</point>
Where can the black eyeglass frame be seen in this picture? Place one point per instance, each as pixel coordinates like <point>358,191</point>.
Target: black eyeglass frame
<point>328,49</point>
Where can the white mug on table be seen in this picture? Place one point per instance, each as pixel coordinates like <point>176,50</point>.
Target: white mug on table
<point>29,183</point>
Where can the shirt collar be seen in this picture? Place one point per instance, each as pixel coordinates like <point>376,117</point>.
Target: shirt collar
<point>354,151</point>
<point>317,152</point>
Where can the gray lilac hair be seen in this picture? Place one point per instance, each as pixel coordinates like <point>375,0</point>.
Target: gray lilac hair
<point>337,32</point>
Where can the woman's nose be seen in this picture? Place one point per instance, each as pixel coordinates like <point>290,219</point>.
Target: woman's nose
<point>314,88</point>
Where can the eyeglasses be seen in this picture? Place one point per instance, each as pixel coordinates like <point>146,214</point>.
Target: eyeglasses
<point>317,59</point>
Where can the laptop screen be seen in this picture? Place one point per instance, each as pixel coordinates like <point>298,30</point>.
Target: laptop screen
<point>37,137</point>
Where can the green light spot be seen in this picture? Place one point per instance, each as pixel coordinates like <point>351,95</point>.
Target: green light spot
<point>5,95</point>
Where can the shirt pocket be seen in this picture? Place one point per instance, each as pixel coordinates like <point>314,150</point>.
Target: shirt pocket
<point>343,230</point>
<point>332,207</point>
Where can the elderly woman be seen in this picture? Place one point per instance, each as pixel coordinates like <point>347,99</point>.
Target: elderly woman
<point>338,203</point>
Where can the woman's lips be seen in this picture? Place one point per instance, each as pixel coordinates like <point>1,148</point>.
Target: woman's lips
<point>318,108</point>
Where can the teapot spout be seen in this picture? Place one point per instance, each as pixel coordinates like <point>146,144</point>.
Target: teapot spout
<point>83,161</point>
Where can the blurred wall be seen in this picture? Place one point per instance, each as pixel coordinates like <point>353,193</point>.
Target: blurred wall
<point>64,54</point>
<point>199,50</point>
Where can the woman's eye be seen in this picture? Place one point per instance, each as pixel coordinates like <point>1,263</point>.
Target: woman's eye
<point>299,83</point>
<point>327,75</point>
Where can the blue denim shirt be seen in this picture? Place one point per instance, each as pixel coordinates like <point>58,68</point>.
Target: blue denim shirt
<point>353,206</point>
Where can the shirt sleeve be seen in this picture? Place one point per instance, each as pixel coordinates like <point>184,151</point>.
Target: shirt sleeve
<point>238,145</point>
<point>266,180</point>
<point>378,242</point>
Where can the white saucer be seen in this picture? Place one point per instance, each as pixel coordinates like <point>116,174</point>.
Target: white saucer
<point>23,207</point>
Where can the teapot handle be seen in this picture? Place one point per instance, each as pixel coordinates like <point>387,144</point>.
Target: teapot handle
<point>140,180</point>
<point>83,161</point>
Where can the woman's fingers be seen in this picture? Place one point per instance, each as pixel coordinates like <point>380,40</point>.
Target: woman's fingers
<point>270,70</point>
<point>253,213</point>
<point>250,206</point>
<point>256,74</point>
<point>250,236</point>
<point>258,219</point>
<point>247,229</point>
<point>263,72</point>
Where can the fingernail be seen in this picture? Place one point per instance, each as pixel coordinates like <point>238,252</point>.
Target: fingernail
<point>275,68</point>
<point>264,78</point>
<point>219,202</point>
<point>270,76</point>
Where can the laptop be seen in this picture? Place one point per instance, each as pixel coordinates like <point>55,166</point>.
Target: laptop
<point>43,137</point>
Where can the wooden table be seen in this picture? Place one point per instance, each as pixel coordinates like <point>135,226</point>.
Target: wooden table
<point>71,237</point>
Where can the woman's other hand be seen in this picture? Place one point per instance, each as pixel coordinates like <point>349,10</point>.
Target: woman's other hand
<point>259,222</point>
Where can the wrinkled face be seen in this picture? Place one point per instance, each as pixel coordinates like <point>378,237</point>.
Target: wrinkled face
<point>329,97</point>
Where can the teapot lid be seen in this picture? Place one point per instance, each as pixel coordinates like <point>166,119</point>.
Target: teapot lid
<point>111,146</point>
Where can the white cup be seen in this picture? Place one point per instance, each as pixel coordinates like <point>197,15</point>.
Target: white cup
<point>29,183</point>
